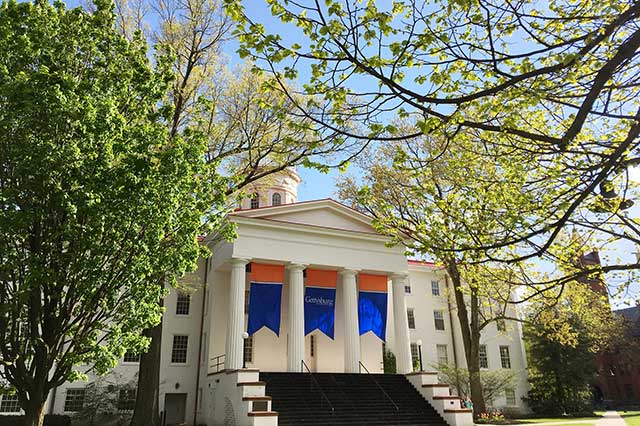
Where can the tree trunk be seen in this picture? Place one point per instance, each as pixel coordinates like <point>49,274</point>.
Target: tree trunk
<point>469,328</point>
<point>34,410</point>
<point>147,411</point>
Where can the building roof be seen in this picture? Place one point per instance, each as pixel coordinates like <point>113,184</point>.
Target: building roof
<point>632,317</point>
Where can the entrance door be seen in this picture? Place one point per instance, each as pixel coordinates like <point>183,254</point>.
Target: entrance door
<point>312,352</point>
<point>175,406</point>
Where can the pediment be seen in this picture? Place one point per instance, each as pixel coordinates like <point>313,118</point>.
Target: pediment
<point>321,213</point>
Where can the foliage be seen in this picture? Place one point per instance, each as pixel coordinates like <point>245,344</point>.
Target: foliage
<point>389,362</point>
<point>103,403</point>
<point>494,382</point>
<point>549,88</point>
<point>562,366</point>
<point>98,205</point>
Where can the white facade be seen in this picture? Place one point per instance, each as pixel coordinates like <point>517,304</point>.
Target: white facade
<point>321,234</point>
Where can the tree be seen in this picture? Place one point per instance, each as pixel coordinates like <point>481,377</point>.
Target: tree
<point>561,346</point>
<point>432,208</point>
<point>98,204</point>
<point>494,382</point>
<point>556,84</point>
<point>249,131</point>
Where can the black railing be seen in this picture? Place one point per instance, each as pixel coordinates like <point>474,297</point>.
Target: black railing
<point>314,380</point>
<point>217,362</point>
<point>378,384</point>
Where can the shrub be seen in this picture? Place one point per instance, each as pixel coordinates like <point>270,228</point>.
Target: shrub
<point>49,420</point>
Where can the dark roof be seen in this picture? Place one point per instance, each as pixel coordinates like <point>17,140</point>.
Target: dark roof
<point>632,316</point>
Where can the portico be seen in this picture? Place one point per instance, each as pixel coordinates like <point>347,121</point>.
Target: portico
<point>322,235</point>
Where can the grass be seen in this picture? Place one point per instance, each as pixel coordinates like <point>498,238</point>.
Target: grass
<point>632,418</point>
<point>562,420</point>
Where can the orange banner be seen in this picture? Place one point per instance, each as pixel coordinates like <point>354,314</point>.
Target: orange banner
<point>370,282</point>
<point>263,273</point>
<point>321,278</point>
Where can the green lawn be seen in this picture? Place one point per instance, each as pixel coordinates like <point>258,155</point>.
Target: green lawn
<point>560,420</point>
<point>632,418</point>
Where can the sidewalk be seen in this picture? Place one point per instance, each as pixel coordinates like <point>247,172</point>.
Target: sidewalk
<point>611,418</point>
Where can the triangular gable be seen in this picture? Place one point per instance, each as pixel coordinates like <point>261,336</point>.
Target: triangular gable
<point>324,213</point>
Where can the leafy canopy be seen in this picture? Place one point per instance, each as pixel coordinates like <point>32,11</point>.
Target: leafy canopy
<point>97,203</point>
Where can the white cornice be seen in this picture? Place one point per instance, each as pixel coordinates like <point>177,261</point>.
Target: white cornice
<point>305,228</point>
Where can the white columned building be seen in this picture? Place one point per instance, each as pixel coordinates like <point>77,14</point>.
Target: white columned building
<point>204,329</point>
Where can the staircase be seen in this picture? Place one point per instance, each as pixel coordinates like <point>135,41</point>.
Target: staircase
<point>347,399</point>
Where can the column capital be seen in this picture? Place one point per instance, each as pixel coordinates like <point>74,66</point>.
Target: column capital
<point>348,271</point>
<point>239,261</point>
<point>296,266</point>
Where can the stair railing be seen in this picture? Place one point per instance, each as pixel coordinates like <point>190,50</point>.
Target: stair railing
<point>380,387</point>
<point>304,366</point>
<point>217,362</point>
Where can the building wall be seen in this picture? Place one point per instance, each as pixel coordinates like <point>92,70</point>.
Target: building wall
<point>175,378</point>
<point>424,303</point>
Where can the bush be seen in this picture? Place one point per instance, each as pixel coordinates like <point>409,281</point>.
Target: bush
<point>49,420</point>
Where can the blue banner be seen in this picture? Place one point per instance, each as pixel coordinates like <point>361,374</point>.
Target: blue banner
<point>372,313</point>
<point>264,307</point>
<point>319,310</point>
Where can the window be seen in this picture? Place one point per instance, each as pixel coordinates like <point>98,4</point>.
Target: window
<point>9,404</point>
<point>126,399</point>
<point>435,288</point>
<point>312,345</point>
<point>74,400</point>
<point>276,199</point>
<point>510,396</point>
<point>500,325</point>
<point>255,201</point>
<point>505,359</point>
<point>484,360</point>
<point>131,357</point>
<point>438,319</point>
<point>182,304</point>
<point>411,319</point>
<point>248,349</point>
<point>179,349</point>
<point>407,289</point>
<point>443,356</point>
<point>415,356</point>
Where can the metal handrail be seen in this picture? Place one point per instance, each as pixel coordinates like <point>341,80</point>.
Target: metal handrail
<point>219,360</point>
<point>378,384</point>
<point>304,364</point>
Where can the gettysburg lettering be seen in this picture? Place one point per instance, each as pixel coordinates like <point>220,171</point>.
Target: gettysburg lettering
<point>321,301</point>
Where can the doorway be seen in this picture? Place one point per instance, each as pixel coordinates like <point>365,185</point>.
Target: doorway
<point>175,407</point>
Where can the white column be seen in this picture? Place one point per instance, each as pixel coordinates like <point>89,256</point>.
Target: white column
<point>350,318</point>
<point>401,325</point>
<point>235,319</point>
<point>295,349</point>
